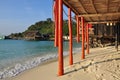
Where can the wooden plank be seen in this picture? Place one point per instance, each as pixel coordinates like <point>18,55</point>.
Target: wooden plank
<point>83,8</point>
<point>100,15</point>
<point>103,22</point>
<point>70,6</point>
<point>94,8</point>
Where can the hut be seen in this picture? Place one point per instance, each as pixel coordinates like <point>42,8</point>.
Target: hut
<point>88,13</point>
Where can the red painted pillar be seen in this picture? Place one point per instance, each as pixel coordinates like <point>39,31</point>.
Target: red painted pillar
<point>70,37</point>
<point>83,40</point>
<point>60,41</point>
<point>87,38</point>
<point>56,22</point>
<point>78,37</point>
<point>86,33</point>
<point>90,25</point>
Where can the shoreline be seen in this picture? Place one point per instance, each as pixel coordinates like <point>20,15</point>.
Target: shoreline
<point>89,68</point>
<point>20,68</point>
<point>29,62</point>
<point>34,68</point>
<point>42,65</point>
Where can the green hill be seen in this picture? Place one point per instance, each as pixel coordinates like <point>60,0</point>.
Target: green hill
<point>43,28</point>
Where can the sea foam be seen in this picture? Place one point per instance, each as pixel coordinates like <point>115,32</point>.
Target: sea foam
<point>20,67</point>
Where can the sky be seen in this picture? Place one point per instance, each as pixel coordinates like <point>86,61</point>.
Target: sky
<point>17,15</point>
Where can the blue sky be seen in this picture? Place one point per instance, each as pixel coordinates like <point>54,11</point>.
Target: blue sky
<point>18,15</point>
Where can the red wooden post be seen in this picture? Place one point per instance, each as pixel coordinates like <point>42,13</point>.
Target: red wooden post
<point>87,38</point>
<point>86,33</point>
<point>78,37</point>
<point>83,40</point>
<point>70,37</point>
<point>60,48</point>
<point>56,22</point>
<point>90,25</point>
<point>79,27</point>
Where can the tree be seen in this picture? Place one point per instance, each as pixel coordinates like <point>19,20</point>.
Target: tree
<point>49,20</point>
<point>46,28</point>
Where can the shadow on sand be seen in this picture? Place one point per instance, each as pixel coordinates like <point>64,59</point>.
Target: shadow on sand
<point>90,64</point>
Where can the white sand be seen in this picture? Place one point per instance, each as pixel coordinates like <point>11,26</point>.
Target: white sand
<point>100,64</point>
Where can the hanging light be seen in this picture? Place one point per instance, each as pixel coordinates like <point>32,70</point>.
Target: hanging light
<point>107,24</point>
<point>111,24</point>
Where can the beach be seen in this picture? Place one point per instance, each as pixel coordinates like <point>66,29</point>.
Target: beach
<point>15,60</point>
<point>100,64</point>
<point>39,37</point>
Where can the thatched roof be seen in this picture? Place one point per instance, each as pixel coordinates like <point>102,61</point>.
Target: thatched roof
<point>96,11</point>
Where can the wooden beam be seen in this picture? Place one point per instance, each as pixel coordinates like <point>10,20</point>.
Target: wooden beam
<point>100,15</point>
<point>94,8</point>
<point>107,5</point>
<point>102,22</point>
<point>83,8</point>
<point>70,6</point>
<point>118,9</point>
<point>107,11</point>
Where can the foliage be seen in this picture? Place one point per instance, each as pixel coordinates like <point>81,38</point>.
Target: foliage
<point>66,30</point>
<point>47,27</point>
<point>44,27</point>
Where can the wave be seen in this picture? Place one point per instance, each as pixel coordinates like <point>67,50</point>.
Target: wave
<point>20,67</point>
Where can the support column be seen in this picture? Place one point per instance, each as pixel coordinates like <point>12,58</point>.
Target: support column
<point>78,37</point>
<point>60,41</point>
<point>116,37</point>
<point>85,33</point>
<point>79,27</point>
<point>56,22</point>
<point>83,40</point>
<point>70,37</point>
<point>88,38</point>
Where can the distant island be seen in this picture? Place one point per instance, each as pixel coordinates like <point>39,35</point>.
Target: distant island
<point>42,30</point>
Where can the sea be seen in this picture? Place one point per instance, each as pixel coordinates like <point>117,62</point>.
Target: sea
<point>17,56</point>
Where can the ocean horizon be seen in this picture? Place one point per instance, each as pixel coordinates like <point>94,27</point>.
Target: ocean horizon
<point>19,55</point>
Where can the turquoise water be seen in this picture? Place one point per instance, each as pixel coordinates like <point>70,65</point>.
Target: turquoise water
<point>13,52</point>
